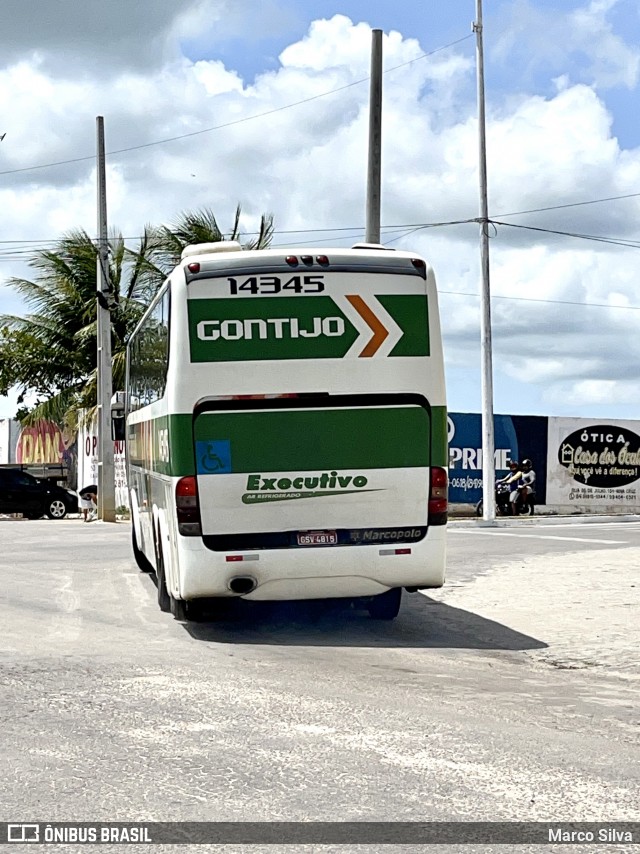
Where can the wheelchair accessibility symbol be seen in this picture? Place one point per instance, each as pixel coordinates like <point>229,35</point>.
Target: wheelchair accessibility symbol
<point>213,457</point>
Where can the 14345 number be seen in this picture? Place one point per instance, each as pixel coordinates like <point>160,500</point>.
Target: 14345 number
<point>275,285</point>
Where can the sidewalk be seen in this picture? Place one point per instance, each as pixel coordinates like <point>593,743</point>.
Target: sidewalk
<point>585,606</point>
<point>550,519</point>
<point>467,517</point>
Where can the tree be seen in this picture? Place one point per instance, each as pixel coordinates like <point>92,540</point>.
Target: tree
<point>51,352</point>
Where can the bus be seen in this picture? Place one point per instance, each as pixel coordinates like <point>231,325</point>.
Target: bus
<point>286,428</point>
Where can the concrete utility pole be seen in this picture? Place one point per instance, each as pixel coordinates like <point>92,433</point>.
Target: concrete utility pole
<point>106,472</point>
<point>488,441</point>
<point>375,140</point>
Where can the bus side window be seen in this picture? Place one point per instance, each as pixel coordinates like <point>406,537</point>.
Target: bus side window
<point>150,356</point>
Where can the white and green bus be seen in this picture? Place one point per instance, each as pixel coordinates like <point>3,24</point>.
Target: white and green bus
<point>286,428</point>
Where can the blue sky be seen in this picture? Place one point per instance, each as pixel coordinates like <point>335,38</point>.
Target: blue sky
<point>562,94</point>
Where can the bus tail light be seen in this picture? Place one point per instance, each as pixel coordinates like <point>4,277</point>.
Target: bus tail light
<point>438,496</point>
<point>187,507</point>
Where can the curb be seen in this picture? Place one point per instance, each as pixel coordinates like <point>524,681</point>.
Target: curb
<point>523,521</point>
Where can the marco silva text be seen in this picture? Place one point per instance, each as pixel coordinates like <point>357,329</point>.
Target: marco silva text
<point>602,834</point>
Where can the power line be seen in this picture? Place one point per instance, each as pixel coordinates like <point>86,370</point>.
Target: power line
<point>235,121</point>
<point>20,249</point>
<point>572,204</point>
<point>28,246</point>
<point>615,241</point>
<point>546,301</point>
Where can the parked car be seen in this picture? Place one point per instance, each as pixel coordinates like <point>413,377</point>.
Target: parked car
<point>22,493</point>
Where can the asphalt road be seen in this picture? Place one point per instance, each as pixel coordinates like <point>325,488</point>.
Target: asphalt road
<point>112,711</point>
<point>475,549</point>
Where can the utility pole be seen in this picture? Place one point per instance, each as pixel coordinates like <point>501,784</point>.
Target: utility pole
<point>106,472</point>
<point>488,440</point>
<point>375,140</point>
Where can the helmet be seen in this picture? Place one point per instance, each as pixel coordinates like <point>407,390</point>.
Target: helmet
<point>513,464</point>
<point>527,463</point>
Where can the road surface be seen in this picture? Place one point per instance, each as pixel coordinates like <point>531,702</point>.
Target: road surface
<point>511,694</point>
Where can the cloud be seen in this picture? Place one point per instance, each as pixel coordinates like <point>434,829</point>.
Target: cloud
<point>582,38</point>
<point>91,33</point>
<point>307,165</point>
<point>104,38</point>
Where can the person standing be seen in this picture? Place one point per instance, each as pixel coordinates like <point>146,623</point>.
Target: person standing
<point>89,502</point>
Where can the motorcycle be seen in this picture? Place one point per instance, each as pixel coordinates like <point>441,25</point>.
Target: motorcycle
<point>503,504</point>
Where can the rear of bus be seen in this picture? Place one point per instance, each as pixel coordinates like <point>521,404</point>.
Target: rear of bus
<point>313,382</point>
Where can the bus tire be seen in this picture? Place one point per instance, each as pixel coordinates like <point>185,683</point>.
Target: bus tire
<point>143,564</point>
<point>164,599</point>
<point>385,606</point>
<point>179,608</point>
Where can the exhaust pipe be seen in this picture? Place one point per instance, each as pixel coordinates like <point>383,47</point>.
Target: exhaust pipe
<point>242,584</point>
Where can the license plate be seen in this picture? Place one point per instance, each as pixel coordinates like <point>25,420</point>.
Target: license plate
<point>318,538</point>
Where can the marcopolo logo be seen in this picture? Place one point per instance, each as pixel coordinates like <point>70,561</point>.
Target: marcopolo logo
<point>386,536</point>
<point>276,328</point>
<point>263,489</point>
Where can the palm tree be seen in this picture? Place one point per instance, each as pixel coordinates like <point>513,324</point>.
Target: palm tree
<point>51,352</point>
<point>161,246</point>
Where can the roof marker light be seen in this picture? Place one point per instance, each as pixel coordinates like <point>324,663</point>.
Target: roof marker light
<point>291,260</point>
<point>193,267</point>
<point>322,259</point>
<point>306,259</point>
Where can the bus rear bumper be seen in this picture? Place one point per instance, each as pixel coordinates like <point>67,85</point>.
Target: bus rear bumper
<point>316,573</point>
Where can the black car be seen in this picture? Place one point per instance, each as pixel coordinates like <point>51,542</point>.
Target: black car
<point>22,493</point>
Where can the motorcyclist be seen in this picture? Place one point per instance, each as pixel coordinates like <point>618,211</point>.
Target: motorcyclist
<point>527,484</point>
<point>513,474</point>
<point>505,486</point>
<point>503,496</point>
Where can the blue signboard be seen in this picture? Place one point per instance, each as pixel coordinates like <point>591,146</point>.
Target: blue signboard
<point>514,437</point>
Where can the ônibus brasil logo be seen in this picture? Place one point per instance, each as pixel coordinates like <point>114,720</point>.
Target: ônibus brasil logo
<point>263,489</point>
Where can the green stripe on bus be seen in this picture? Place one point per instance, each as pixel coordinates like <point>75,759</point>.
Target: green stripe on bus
<point>178,460</point>
<point>410,313</point>
<point>236,330</point>
<point>288,440</point>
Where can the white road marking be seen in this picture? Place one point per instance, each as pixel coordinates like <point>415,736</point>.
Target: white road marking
<point>630,526</point>
<point>536,536</point>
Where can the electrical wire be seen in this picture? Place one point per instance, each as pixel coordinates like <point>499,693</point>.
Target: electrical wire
<point>235,121</point>
<point>614,241</point>
<point>572,205</point>
<point>26,248</point>
<point>545,301</point>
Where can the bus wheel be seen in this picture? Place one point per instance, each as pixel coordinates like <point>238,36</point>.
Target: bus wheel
<point>164,599</point>
<point>180,609</point>
<point>140,559</point>
<point>385,606</point>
